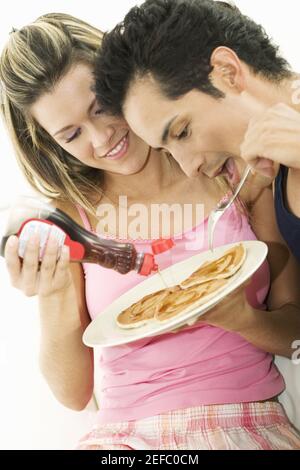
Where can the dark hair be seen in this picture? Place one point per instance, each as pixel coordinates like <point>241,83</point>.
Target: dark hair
<point>173,41</point>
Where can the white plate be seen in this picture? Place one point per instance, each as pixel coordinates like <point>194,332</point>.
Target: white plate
<point>103,330</point>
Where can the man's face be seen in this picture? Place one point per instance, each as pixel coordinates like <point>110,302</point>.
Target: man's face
<point>200,131</point>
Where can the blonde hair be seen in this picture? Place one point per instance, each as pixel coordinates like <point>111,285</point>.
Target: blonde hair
<point>35,58</point>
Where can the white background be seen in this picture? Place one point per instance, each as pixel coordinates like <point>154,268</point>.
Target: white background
<point>30,418</point>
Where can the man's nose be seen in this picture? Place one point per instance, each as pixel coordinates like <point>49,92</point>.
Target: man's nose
<point>187,162</point>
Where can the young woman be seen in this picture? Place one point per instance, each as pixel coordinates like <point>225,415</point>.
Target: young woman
<point>209,386</point>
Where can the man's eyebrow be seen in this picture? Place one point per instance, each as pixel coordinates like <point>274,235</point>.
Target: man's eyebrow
<point>167,130</point>
<point>71,125</point>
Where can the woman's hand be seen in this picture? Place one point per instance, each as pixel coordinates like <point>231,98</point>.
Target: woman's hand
<point>52,276</point>
<point>273,138</point>
<point>232,314</point>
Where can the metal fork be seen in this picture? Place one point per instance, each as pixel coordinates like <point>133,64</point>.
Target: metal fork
<point>217,213</point>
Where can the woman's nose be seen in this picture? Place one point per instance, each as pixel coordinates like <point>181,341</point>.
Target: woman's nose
<point>101,138</point>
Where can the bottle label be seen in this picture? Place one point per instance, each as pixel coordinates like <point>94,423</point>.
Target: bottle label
<point>44,230</point>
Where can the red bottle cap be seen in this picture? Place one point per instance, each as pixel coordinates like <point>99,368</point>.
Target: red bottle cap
<point>148,265</point>
<point>160,246</point>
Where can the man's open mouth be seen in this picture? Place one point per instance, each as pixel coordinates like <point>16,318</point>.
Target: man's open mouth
<point>229,170</point>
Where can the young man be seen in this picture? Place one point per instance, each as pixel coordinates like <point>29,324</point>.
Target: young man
<point>205,82</point>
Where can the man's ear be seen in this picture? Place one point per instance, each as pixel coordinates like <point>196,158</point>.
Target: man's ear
<point>228,72</point>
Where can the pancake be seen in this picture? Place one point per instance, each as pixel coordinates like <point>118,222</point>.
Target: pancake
<point>143,311</point>
<point>181,301</point>
<point>199,288</point>
<point>222,268</point>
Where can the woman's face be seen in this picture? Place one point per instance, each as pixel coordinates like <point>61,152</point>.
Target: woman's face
<point>71,115</point>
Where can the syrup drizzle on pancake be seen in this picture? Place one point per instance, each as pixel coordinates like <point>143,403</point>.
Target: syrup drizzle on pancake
<point>197,289</point>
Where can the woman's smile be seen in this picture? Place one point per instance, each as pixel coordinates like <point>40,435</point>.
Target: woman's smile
<point>119,150</point>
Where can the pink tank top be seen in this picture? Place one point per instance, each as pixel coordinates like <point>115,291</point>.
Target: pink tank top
<point>200,365</point>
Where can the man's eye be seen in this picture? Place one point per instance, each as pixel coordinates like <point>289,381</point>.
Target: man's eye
<point>98,112</point>
<point>74,136</point>
<point>183,134</point>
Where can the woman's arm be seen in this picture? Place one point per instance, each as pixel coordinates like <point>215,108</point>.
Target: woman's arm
<point>66,363</point>
<point>285,270</point>
<point>277,329</point>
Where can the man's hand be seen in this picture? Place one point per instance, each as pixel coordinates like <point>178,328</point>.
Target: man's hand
<point>274,137</point>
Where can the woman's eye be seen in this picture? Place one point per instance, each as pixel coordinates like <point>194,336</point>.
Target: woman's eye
<point>73,136</point>
<point>183,134</point>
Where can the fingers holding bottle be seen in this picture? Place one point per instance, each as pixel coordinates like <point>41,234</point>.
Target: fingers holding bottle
<point>36,268</point>
<point>55,273</point>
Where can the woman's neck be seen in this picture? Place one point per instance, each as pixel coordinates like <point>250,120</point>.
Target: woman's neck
<point>155,176</point>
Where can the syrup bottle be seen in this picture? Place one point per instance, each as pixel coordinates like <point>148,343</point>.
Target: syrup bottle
<point>28,215</point>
